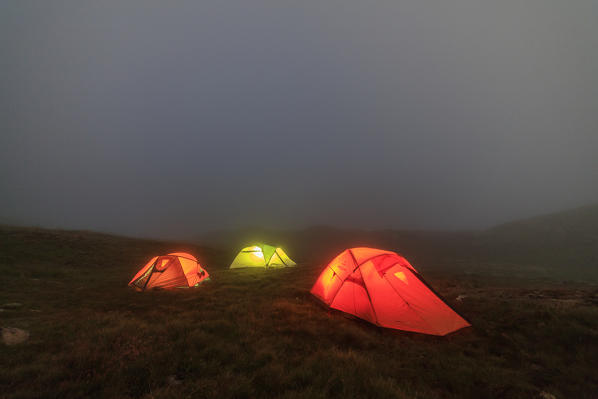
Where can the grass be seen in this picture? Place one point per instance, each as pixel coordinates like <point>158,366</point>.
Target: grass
<point>256,333</point>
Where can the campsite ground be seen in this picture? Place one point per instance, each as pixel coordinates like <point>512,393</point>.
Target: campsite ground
<point>256,333</point>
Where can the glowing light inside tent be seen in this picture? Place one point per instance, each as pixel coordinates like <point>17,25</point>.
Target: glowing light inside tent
<point>353,284</point>
<point>401,276</point>
<point>261,256</point>
<point>327,280</point>
<point>169,271</point>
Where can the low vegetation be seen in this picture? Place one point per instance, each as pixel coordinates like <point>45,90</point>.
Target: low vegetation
<point>256,333</point>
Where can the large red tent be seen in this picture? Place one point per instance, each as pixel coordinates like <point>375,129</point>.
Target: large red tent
<point>383,288</point>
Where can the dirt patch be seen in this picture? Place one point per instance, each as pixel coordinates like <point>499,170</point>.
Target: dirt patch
<point>12,305</point>
<point>14,336</point>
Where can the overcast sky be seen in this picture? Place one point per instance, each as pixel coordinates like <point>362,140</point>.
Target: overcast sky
<point>166,118</point>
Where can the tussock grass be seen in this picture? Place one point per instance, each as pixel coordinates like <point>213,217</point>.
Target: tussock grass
<point>256,333</point>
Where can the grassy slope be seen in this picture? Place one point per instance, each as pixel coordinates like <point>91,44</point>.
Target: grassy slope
<point>254,333</point>
<point>563,245</point>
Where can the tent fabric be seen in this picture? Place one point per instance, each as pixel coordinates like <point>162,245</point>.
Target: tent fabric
<point>261,256</point>
<point>383,288</point>
<point>175,270</point>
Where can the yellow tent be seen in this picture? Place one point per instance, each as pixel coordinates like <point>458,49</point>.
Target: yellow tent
<point>261,256</point>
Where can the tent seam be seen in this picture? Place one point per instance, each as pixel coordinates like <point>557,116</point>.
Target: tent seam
<point>408,304</point>
<point>365,286</point>
<point>280,257</point>
<point>440,297</point>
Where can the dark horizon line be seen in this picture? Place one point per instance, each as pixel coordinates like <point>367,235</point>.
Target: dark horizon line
<point>315,226</point>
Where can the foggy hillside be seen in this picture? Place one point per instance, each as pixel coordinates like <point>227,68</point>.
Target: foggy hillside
<point>562,245</point>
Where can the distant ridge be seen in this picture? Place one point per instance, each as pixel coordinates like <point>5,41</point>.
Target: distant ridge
<point>565,243</point>
<point>582,220</point>
<point>561,246</point>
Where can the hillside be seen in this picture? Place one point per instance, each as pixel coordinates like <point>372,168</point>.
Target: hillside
<point>36,252</point>
<point>562,245</point>
<point>578,222</point>
<point>257,333</point>
<point>321,243</point>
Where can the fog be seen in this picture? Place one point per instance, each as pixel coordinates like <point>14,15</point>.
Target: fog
<point>168,119</point>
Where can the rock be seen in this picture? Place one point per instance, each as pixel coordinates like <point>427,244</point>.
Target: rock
<point>14,336</point>
<point>546,395</point>
<point>172,380</point>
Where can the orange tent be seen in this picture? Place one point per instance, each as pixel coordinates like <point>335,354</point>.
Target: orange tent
<point>175,270</point>
<point>383,288</point>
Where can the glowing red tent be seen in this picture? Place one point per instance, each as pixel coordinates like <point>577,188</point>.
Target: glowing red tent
<point>383,288</point>
<point>175,270</point>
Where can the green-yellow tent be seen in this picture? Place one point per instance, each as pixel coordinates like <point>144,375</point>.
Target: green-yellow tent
<point>261,256</point>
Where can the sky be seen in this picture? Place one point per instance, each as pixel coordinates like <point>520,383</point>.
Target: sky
<point>166,119</point>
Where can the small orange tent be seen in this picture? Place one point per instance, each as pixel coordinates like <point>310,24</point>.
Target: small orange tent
<point>383,288</point>
<point>175,270</point>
